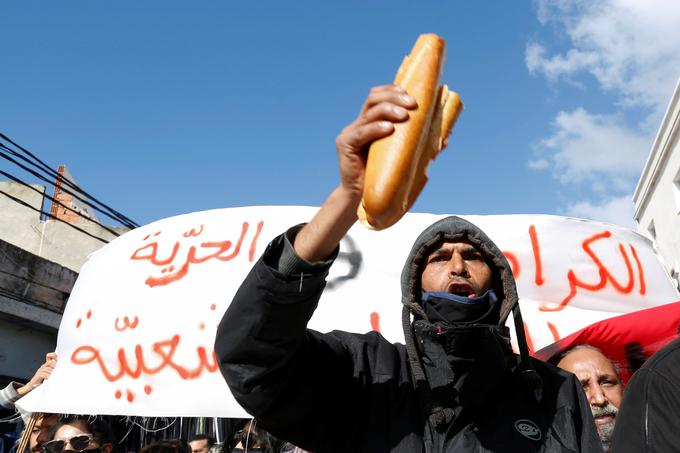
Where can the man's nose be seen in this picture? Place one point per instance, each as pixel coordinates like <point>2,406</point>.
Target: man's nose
<point>597,397</point>
<point>457,265</point>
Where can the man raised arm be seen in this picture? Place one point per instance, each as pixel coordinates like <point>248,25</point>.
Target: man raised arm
<point>454,386</point>
<point>384,106</point>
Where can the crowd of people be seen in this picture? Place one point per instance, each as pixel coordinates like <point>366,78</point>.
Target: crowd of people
<point>455,385</point>
<point>66,433</point>
<point>69,433</point>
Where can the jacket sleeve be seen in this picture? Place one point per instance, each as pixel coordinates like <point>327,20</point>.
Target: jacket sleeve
<point>9,395</point>
<point>277,369</point>
<point>648,419</point>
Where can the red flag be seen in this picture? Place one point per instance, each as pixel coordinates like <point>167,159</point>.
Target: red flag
<point>628,340</point>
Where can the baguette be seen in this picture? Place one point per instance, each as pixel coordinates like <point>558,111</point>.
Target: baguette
<point>396,168</point>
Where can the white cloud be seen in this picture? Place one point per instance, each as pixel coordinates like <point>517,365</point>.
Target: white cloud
<point>631,47</point>
<point>558,65</point>
<point>618,210</point>
<point>632,50</point>
<point>538,164</point>
<point>589,148</point>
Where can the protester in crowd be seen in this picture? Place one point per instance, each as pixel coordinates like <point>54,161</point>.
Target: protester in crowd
<point>648,419</point>
<point>201,443</point>
<point>80,433</point>
<point>14,390</point>
<point>41,431</point>
<point>254,439</point>
<point>216,448</point>
<point>167,446</point>
<point>10,394</point>
<point>455,386</point>
<point>601,384</point>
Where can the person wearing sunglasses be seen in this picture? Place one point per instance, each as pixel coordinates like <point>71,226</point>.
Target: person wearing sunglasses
<point>79,434</point>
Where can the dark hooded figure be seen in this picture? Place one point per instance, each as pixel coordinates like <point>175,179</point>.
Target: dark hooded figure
<point>456,386</point>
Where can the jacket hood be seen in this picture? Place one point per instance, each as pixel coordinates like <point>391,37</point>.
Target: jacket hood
<point>453,229</point>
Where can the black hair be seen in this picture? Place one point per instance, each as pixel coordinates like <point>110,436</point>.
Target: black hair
<point>202,436</point>
<point>266,441</point>
<point>95,425</point>
<point>167,446</point>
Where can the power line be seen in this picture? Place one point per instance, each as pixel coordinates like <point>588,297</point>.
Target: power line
<point>65,181</point>
<point>22,202</point>
<point>111,214</point>
<point>45,179</point>
<point>53,200</point>
<point>44,167</point>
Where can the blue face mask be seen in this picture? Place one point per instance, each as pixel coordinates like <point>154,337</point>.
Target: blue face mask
<point>452,308</point>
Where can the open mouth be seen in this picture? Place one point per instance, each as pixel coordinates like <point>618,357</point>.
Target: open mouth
<point>603,419</point>
<point>460,288</point>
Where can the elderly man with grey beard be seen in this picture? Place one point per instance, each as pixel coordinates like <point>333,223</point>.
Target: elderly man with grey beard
<point>601,384</point>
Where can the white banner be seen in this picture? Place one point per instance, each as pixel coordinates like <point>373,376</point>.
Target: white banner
<point>137,334</point>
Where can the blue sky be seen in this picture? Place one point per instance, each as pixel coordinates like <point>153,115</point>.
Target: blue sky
<point>161,108</point>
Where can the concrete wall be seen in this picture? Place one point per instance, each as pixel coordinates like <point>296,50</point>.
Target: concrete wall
<point>39,261</point>
<point>19,224</point>
<point>50,239</point>
<point>33,294</point>
<point>23,349</point>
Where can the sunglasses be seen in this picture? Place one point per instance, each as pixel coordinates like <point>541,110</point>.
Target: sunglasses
<point>77,443</point>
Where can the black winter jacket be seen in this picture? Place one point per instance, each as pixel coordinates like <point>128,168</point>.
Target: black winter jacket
<point>345,392</point>
<point>649,413</point>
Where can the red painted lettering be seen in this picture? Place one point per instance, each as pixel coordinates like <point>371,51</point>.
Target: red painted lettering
<point>253,244</point>
<point>605,275</point>
<point>126,324</point>
<point>537,255</point>
<point>641,272</point>
<point>514,263</point>
<point>553,331</point>
<point>164,352</point>
<point>375,321</point>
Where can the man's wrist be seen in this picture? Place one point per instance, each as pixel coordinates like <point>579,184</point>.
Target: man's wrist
<point>290,263</point>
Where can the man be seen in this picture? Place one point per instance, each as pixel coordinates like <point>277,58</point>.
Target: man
<point>41,431</point>
<point>601,384</point>
<point>454,386</point>
<point>201,443</point>
<point>648,421</point>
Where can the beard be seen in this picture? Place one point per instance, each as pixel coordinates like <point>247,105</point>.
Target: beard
<point>607,429</point>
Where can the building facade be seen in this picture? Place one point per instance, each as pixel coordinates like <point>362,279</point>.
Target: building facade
<point>657,195</point>
<point>40,258</point>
